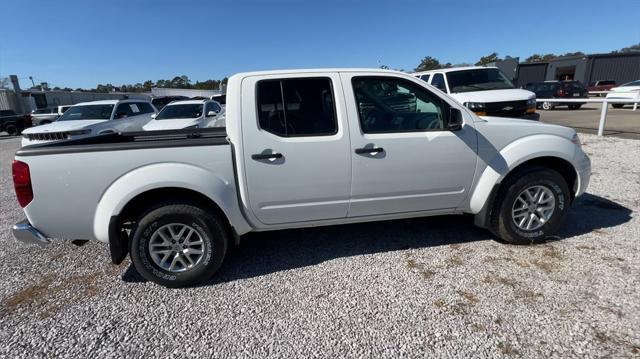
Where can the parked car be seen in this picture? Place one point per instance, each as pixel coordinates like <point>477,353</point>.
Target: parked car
<point>162,101</point>
<point>558,89</point>
<point>91,118</point>
<point>602,85</point>
<point>187,114</point>
<point>13,123</point>
<point>44,116</point>
<point>628,91</point>
<point>302,148</point>
<point>484,90</point>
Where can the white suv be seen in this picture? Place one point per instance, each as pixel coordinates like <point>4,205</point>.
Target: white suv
<point>91,118</point>
<point>484,90</point>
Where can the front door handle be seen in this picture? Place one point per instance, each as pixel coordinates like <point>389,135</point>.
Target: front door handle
<point>369,150</point>
<point>266,156</point>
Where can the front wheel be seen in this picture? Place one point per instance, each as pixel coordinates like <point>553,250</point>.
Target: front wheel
<point>178,245</point>
<point>530,206</point>
<point>617,105</point>
<point>574,107</point>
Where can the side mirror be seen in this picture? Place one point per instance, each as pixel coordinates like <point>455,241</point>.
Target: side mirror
<point>455,119</point>
<point>212,114</point>
<point>153,117</point>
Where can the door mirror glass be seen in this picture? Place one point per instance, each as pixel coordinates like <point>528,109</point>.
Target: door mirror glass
<point>455,119</point>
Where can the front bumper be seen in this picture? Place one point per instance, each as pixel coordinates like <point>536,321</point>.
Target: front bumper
<point>583,169</point>
<point>26,233</point>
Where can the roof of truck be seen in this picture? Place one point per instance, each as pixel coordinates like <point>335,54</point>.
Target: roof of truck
<point>297,71</point>
<point>450,69</point>
<point>110,102</point>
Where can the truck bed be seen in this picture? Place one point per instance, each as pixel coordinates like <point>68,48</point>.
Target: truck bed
<point>71,178</point>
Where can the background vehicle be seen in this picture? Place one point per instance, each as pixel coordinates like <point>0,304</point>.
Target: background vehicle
<point>44,116</point>
<point>626,91</point>
<point>484,90</point>
<point>558,89</point>
<point>602,85</point>
<point>186,114</point>
<point>160,102</point>
<point>302,148</point>
<point>91,118</point>
<point>12,123</point>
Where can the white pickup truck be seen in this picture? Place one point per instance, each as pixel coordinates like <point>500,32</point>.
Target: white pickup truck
<point>302,148</point>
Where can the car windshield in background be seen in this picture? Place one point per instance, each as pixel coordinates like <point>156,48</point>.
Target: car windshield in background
<point>191,110</point>
<point>87,112</point>
<point>632,83</point>
<point>478,80</point>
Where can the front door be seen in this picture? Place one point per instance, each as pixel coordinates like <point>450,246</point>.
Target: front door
<point>297,154</point>
<point>404,158</point>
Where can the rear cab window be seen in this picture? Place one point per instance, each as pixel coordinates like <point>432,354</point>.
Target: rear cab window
<point>438,82</point>
<point>297,107</point>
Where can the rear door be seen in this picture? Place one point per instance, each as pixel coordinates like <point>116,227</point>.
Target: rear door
<point>296,148</point>
<point>404,158</point>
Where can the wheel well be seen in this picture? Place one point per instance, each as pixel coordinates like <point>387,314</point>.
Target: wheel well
<point>563,167</point>
<point>137,205</point>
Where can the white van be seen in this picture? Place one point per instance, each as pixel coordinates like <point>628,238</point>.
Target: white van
<point>484,90</point>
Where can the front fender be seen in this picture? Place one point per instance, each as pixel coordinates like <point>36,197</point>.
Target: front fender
<point>502,162</point>
<point>162,175</point>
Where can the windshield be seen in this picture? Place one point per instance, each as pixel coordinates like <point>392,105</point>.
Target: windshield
<point>87,112</point>
<point>478,80</point>
<point>632,83</point>
<point>191,110</point>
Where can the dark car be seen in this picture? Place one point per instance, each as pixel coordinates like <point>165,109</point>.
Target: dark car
<point>602,85</point>
<point>558,89</point>
<point>12,123</point>
<point>160,102</point>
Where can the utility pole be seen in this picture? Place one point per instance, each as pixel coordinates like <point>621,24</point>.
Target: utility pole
<point>32,83</point>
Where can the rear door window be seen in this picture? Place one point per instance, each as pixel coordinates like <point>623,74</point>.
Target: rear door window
<point>297,107</point>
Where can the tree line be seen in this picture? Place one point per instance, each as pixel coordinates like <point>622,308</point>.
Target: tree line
<point>427,63</point>
<point>431,63</point>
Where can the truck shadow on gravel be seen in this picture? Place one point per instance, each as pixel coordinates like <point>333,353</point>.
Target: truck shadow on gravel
<point>270,252</point>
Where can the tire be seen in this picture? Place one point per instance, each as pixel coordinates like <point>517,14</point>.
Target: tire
<point>574,107</point>
<point>547,106</point>
<point>11,129</point>
<point>164,218</point>
<point>617,105</point>
<point>508,202</point>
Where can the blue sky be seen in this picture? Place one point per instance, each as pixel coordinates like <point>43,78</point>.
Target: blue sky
<point>83,43</point>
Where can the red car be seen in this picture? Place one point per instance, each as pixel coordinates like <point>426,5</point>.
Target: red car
<point>602,85</point>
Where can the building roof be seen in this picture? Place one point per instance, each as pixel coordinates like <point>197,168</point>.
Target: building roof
<point>451,69</point>
<point>109,102</point>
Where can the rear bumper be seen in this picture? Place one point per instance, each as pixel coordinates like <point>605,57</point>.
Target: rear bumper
<point>26,233</point>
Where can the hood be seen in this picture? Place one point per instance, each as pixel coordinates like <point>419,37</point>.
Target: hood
<point>494,96</point>
<point>625,88</point>
<point>171,124</point>
<point>504,130</point>
<point>62,126</point>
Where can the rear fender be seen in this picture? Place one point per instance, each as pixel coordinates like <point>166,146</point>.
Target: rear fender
<point>164,175</point>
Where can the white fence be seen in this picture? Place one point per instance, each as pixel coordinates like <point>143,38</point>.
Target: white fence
<point>605,105</point>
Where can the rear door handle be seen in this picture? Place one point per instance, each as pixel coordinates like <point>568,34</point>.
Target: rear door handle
<point>266,156</point>
<point>370,150</point>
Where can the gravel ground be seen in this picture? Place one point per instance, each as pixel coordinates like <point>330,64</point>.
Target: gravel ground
<point>428,287</point>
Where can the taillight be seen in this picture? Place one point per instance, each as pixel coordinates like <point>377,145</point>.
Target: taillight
<point>28,120</point>
<point>561,93</point>
<point>22,183</point>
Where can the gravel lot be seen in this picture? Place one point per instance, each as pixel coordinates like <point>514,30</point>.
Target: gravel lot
<point>423,288</point>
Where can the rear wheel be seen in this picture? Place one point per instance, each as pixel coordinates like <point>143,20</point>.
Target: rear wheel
<point>178,244</point>
<point>11,129</point>
<point>530,206</point>
<point>547,106</point>
<point>617,105</point>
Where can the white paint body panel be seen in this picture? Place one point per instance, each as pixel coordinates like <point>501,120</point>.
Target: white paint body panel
<point>319,182</point>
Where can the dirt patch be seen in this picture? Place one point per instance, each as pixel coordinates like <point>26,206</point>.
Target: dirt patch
<point>470,297</point>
